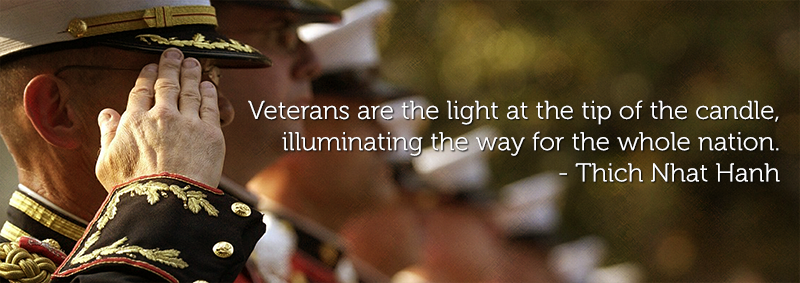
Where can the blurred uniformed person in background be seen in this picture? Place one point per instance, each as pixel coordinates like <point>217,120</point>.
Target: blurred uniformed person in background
<point>462,241</point>
<point>529,217</point>
<point>386,240</point>
<point>270,27</point>
<point>312,194</point>
<point>62,63</point>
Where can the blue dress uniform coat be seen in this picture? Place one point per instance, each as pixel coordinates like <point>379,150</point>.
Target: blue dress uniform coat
<point>164,228</point>
<point>30,217</point>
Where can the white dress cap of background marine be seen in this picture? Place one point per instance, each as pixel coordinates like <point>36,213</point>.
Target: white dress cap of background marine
<point>575,261</point>
<point>36,26</point>
<point>531,206</point>
<point>454,172</point>
<point>349,55</point>
<point>351,43</point>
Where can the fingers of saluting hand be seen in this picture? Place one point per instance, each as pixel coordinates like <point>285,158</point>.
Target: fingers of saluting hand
<point>168,84</point>
<point>172,85</point>
<point>171,124</point>
<point>209,109</point>
<point>189,100</point>
<point>141,96</point>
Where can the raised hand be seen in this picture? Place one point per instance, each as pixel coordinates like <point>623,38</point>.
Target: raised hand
<point>171,124</point>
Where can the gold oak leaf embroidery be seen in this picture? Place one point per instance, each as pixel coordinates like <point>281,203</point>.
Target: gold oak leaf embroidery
<point>168,257</point>
<point>194,201</point>
<point>199,41</point>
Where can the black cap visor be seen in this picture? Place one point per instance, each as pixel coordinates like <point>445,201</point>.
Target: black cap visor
<point>198,41</point>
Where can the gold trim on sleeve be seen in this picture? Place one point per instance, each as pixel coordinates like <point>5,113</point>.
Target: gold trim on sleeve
<point>46,217</point>
<point>168,257</point>
<point>194,201</point>
<point>156,17</point>
<point>11,232</point>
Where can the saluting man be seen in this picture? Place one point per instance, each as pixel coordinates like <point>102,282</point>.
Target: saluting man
<point>64,62</point>
<point>58,74</point>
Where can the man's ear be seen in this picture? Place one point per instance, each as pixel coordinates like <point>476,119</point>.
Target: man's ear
<point>46,106</point>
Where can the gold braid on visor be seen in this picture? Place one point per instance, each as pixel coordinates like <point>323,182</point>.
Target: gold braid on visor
<point>157,17</point>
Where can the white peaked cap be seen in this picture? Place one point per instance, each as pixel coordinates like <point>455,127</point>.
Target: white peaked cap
<point>575,261</point>
<point>531,205</point>
<point>457,171</point>
<point>401,127</point>
<point>55,17</point>
<point>351,43</point>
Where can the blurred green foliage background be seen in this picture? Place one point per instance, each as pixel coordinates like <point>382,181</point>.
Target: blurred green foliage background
<point>615,54</point>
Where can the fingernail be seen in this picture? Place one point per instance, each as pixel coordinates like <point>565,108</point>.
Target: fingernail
<point>104,117</point>
<point>173,54</point>
<point>207,84</point>
<point>151,67</point>
<point>190,63</point>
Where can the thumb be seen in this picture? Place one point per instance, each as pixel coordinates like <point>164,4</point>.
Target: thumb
<point>108,120</point>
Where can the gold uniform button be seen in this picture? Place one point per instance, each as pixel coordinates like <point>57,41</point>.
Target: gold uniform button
<point>223,249</point>
<point>298,277</point>
<point>77,28</point>
<point>328,254</point>
<point>241,209</point>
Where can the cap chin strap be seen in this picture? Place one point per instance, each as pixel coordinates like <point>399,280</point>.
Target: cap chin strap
<point>157,17</point>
